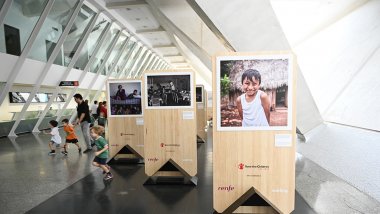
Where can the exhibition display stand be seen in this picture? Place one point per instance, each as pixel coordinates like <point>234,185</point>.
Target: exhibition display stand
<point>125,120</point>
<point>254,164</point>
<point>170,126</point>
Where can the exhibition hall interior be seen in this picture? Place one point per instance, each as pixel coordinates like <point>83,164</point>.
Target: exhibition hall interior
<point>189,106</point>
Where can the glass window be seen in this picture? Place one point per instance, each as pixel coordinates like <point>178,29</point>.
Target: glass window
<point>115,51</point>
<point>93,39</point>
<point>52,29</point>
<point>75,36</point>
<point>136,55</point>
<point>104,48</point>
<point>1,3</point>
<point>124,58</point>
<point>18,25</point>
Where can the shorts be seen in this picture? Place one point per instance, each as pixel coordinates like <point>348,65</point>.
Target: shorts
<point>101,161</point>
<point>72,140</point>
<point>57,145</point>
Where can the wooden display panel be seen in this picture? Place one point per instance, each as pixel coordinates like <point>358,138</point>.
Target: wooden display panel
<point>201,116</point>
<point>125,130</point>
<point>247,162</point>
<point>170,133</point>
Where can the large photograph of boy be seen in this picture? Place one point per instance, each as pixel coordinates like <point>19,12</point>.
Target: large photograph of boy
<point>168,90</point>
<point>124,98</point>
<point>254,92</point>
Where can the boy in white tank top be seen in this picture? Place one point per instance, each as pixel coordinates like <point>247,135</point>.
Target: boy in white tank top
<point>253,105</point>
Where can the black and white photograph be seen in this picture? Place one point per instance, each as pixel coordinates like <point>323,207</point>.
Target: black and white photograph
<point>199,94</point>
<point>124,98</point>
<point>254,92</point>
<point>169,90</point>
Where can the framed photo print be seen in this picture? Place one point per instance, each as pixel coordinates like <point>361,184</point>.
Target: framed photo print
<point>124,98</point>
<point>254,92</point>
<point>169,90</point>
<point>199,93</point>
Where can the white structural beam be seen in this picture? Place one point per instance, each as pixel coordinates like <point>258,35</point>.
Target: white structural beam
<point>125,4</point>
<point>171,55</point>
<point>147,64</point>
<point>142,65</point>
<point>138,65</point>
<point>46,68</point>
<point>66,73</point>
<point>127,57</point>
<point>85,70</point>
<point>164,46</point>
<point>116,60</point>
<point>136,58</point>
<point>28,46</point>
<point>7,4</point>
<point>101,67</point>
<point>149,31</point>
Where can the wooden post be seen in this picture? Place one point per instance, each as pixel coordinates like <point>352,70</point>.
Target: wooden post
<point>169,122</point>
<point>125,122</point>
<point>253,160</point>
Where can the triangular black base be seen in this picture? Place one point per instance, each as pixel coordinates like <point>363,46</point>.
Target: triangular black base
<point>173,180</point>
<point>200,140</point>
<point>250,198</point>
<point>127,150</point>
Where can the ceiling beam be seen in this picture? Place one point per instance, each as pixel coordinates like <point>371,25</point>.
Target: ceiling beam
<point>182,61</point>
<point>157,30</point>
<point>125,4</point>
<point>164,46</point>
<point>172,55</point>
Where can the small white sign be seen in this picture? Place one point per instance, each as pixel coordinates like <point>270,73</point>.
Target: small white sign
<point>283,140</point>
<point>140,121</point>
<point>187,160</point>
<point>188,115</point>
<point>140,145</point>
<point>200,106</point>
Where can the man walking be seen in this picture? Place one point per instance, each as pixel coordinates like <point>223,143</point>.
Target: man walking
<point>94,108</point>
<point>84,120</point>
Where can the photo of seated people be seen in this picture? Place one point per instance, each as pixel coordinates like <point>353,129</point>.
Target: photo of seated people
<point>169,90</point>
<point>125,98</point>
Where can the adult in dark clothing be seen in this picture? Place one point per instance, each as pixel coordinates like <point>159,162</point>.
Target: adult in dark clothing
<point>84,120</point>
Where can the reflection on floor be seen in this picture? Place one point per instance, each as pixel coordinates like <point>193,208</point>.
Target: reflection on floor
<point>31,180</point>
<point>127,194</point>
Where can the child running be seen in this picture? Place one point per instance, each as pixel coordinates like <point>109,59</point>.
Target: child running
<point>55,141</point>
<point>101,155</point>
<point>70,136</point>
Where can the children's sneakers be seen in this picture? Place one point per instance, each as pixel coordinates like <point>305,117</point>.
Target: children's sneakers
<point>80,150</point>
<point>64,153</point>
<point>51,153</point>
<point>108,176</point>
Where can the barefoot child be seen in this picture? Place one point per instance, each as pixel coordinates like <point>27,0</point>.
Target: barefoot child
<point>102,152</point>
<point>70,136</point>
<point>55,141</point>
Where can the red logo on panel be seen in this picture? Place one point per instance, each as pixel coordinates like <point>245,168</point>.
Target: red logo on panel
<point>241,166</point>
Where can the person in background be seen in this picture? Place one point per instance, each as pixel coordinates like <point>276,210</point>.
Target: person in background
<point>104,109</point>
<point>93,110</point>
<point>84,120</point>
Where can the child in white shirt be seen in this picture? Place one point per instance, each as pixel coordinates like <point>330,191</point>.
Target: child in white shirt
<point>55,141</point>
